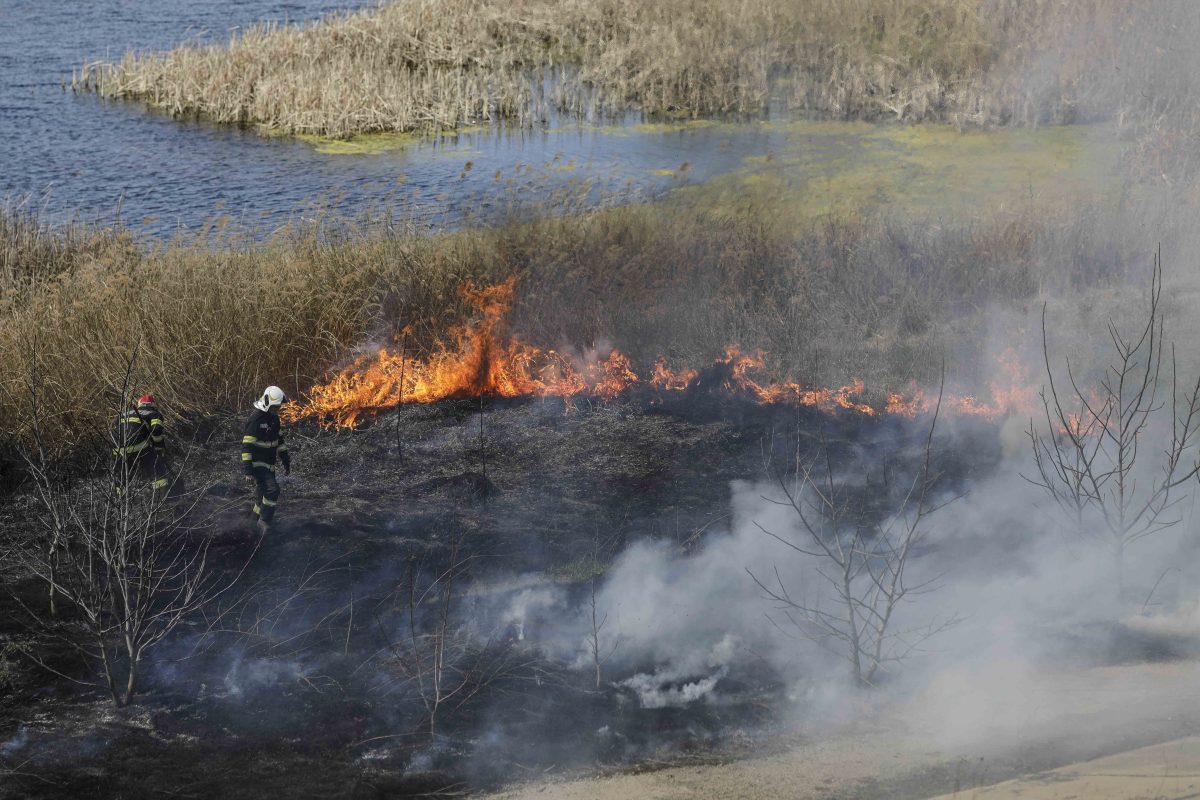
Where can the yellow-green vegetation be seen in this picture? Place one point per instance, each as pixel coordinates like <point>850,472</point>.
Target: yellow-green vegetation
<point>829,298</point>
<point>361,143</point>
<point>434,65</point>
<point>665,127</point>
<point>934,171</point>
<point>373,143</point>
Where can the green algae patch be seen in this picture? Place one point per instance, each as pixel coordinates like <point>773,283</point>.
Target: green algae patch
<point>939,167</point>
<point>268,132</point>
<point>820,127</point>
<point>676,126</point>
<point>363,143</point>
<point>381,142</point>
<point>817,168</point>
<point>465,130</point>
<point>657,128</point>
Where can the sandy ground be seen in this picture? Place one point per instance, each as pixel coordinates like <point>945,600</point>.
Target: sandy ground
<point>1122,731</point>
<point>1167,771</point>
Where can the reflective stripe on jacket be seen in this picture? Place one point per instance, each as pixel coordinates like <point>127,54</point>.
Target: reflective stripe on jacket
<point>138,429</point>
<point>262,442</point>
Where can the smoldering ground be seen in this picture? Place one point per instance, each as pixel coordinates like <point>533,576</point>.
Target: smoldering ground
<point>556,591</point>
<point>668,514</point>
<point>1025,595</point>
<point>317,664</point>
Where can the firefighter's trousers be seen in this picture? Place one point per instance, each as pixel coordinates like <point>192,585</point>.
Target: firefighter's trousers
<point>150,467</point>
<point>266,495</point>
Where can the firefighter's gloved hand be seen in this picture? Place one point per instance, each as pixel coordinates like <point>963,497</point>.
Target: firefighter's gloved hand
<point>249,476</point>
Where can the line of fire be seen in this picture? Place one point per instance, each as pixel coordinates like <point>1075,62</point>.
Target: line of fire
<point>479,359</point>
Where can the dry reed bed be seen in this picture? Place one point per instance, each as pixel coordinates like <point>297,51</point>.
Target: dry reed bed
<point>830,300</point>
<point>31,251</point>
<point>426,65</point>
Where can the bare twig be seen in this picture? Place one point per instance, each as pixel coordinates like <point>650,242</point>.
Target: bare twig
<point>863,566</point>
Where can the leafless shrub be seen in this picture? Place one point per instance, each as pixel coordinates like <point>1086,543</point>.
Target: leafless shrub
<point>437,659</point>
<point>862,564</point>
<point>1097,457</point>
<point>599,650</point>
<point>124,564</point>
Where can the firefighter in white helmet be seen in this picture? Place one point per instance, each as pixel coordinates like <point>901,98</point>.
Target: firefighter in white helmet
<point>262,445</point>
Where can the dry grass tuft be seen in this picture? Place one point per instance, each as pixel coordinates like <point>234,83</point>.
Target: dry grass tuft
<point>829,300</point>
<point>428,65</point>
<point>436,64</point>
<point>32,252</point>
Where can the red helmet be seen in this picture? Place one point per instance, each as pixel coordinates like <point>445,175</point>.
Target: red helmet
<point>146,400</point>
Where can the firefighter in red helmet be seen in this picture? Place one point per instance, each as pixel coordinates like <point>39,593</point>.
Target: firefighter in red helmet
<point>140,443</point>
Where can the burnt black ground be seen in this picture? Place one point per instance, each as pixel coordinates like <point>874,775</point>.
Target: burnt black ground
<point>292,694</point>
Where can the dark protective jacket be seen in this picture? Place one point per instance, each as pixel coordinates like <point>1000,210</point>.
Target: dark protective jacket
<point>262,441</point>
<point>138,430</point>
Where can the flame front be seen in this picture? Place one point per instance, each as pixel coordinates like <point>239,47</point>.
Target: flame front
<point>479,359</point>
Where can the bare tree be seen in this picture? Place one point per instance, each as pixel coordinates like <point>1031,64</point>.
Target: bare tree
<point>862,563</point>
<point>1097,458</point>
<point>434,655</point>
<point>597,649</point>
<point>438,658</point>
<point>122,561</point>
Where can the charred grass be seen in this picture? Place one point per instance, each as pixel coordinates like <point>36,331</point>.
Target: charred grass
<point>429,65</point>
<point>213,318</point>
<point>294,693</point>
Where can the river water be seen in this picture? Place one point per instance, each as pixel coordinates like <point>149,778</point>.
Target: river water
<point>77,155</point>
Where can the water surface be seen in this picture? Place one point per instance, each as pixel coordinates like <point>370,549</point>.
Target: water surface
<point>77,155</point>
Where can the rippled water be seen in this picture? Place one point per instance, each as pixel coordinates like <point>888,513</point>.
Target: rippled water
<point>77,154</point>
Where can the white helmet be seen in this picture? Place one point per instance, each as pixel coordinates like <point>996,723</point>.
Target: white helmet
<point>271,396</point>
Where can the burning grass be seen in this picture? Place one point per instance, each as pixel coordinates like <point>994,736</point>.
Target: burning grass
<point>828,301</point>
<point>430,65</point>
<point>481,360</point>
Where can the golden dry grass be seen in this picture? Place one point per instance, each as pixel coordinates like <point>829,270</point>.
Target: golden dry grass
<point>425,65</point>
<point>836,298</point>
<point>435,64</point>
<point>32,252</point>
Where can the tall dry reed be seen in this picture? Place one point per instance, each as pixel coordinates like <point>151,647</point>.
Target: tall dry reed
<point>436,64</point>
<point>424,65</point>
<point>32,251</point>
<point>214,321</point>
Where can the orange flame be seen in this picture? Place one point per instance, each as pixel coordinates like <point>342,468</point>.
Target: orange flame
<point>480,360</point>
<point>666,380</point>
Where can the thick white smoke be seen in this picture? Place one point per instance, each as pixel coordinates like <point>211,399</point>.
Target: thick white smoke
<point>1033,599</point>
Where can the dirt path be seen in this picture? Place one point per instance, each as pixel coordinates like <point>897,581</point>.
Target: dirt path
<point>1167,771</point>
<point>914,750</point>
